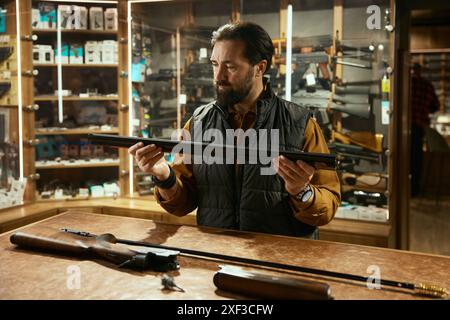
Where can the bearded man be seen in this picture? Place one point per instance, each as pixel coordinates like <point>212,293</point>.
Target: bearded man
<point>295,200</point>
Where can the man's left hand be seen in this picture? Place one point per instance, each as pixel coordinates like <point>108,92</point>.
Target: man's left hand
<point>296,175</point>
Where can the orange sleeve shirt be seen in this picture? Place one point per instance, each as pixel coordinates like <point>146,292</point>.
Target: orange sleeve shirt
<point>319,210</point>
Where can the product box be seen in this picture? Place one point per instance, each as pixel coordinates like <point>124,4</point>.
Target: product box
<point>35,18</point>
<point>65,52</point>
<point>108,49</point>
<point>116,52</point>
<point>43,54</point>
<point>80,18</point>
<point>96,18</point>
<point>111,189</point>
<point>66,15</point>
<point>111,20</point>
<point>36,54</point>
<point>47,13</point>
<point>76,53</point>
<point>2,20</point>
<point>93,52</point>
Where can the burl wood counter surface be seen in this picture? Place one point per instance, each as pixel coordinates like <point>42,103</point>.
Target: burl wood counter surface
<point>31,275</point>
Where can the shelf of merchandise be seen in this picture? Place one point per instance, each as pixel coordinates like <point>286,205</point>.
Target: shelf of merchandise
<point>78,131</point>
<point>75,166</point>
<point>77,35</point>
<point>81,65</point>
<point>75,98</point>
<point>76,32</point>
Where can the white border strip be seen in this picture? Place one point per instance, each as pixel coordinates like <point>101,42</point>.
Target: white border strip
<point>130,96</point>
<point>59,71</point>
<point>288,54</point>
<point>144,1</point>
<point>19,89</point>
<point>178,79</point>
<point>80,1</point>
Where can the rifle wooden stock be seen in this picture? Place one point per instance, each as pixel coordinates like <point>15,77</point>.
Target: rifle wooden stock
<point>262,286</point>
<point>318,160</point>
<point>101,247</point>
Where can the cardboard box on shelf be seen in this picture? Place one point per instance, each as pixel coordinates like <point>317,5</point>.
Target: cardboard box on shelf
<point>47,15</point>
<point>93,52</point>
<point>108,51</point>
<point>111,21</point>
<point>35,18</point>
<point>76,54</point>
<point>66,17</point>
<point>2,20</point>
<point>80,18</point>
<point>43,54</point>
<point>96,18</point>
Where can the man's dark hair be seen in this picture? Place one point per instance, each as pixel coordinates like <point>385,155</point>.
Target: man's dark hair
<point>258,44</point>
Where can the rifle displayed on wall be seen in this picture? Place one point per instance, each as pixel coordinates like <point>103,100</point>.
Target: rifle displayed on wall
<point>349,156</point>
<point>322,99</point>
<point>323,57</point>
<point>318,160</point>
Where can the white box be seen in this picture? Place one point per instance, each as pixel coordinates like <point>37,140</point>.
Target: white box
<point>35,19</point>
<point>80,18</point>
<point>108,49</point>
<point>46,54</point>
<point>76,54</point>
<point>65,16</point>
<point>96,18</point>
<point>111,21</point>
<point>92,52</point>
<point>116,52</point>
<point>43,54</point>
<point>36,54</point>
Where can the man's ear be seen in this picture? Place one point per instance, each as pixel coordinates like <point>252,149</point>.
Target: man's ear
<point>261,68</point>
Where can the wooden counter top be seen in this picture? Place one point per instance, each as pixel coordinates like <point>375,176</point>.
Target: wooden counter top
<point>33,275</point>
<point>343,230</point>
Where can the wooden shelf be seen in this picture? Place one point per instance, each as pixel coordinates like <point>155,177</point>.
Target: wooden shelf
<point>75,98</point>
<point>68,199</point>
<point>81,65</point>
<point>75,131</point>
<point>443,50</point>
<point>79,165</point>
<point>90,32</point>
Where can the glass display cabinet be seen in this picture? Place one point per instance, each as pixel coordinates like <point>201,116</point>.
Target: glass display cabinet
<point>333,57</point>
<point>142,67</point>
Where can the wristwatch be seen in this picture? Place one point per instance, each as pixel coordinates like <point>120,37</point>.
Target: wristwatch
<point>305,195</point>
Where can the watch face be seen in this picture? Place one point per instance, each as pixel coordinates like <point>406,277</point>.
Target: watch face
<point>307,195</point>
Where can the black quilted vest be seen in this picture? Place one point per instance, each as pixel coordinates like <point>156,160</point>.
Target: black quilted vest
<point>241,198</point>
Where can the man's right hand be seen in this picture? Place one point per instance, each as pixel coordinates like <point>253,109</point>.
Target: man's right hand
<point>151,160</point>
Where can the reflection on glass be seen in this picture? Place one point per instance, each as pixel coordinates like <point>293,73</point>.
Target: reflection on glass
<point>340,72</point>
<point>11,186</point>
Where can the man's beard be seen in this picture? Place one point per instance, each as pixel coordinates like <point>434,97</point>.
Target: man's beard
<point>229,97</point>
